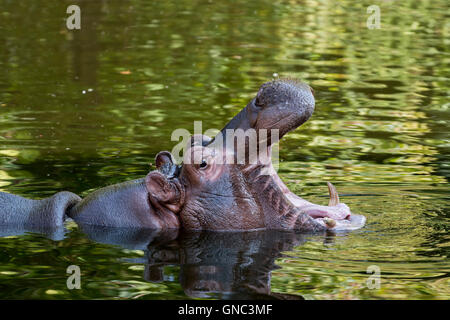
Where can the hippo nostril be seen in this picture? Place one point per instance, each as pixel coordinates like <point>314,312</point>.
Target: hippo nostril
<point>258,102</point>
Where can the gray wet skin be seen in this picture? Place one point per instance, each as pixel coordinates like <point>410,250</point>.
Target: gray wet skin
<point>208,194</point>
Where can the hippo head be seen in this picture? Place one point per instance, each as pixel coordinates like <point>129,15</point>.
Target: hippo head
<point>229,183</point>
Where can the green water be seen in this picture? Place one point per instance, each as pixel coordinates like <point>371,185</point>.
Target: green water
<point>87,108</point>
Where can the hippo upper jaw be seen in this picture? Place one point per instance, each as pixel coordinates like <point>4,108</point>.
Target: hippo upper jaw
<point>280,105</point>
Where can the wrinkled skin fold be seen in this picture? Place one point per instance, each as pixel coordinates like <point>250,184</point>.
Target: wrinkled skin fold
<point>215,188</point>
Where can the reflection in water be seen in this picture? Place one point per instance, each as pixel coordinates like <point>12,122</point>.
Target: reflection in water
<point>225,265</point>
<point>55,233</point>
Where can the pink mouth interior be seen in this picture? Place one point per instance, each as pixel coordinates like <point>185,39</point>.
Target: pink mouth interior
<point>338,212</point>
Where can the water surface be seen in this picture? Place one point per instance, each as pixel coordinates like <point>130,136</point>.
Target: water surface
<point>87,108</point>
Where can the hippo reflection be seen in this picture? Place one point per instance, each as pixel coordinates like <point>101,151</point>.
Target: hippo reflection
<point>207,191</point>
<point>224,265</point>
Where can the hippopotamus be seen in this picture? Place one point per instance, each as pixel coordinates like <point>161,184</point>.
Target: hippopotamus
<point>206,191</point>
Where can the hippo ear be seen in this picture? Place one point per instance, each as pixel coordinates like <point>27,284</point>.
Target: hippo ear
<point>159,187</point>
<point>162,158</point>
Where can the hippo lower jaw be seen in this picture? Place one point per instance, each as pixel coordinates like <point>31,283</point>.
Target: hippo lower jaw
<point>336,216</point>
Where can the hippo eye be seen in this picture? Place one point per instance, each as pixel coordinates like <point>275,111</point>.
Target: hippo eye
<point>203,164</point>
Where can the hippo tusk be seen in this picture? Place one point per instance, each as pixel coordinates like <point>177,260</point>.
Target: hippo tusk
<point>334,197</point>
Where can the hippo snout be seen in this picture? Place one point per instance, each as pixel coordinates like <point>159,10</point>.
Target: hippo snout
<point>283,105</point>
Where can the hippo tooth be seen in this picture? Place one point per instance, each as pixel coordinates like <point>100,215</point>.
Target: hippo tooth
<point>331,223</point>
<point>334,197</point>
